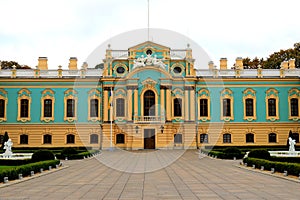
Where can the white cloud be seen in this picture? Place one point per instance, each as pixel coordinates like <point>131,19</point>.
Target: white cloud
<point>61,29</point>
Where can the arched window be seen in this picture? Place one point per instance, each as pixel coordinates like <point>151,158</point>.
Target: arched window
<point>294,107</point>
<point>47,105</point>
<point>23,139</point>
<point>272,138</point>
<point>70,108</point>
<point>272,107</point>
<point>227,105</point>
<point>2,108</point>
<point>47,108</point>
<point>177,138</point>
<point>24,101</point>
<point>149,103</point>
<point>1,139</point>
<point>177,107</point>
<point>203,105</point>
<point>227,138</point>
<point>24,108</point>
<point>94,102</point>
<point>94,139</point>
<point>94,107</point>
<point>203,138</point>
<point>47,139</point>
<point>272,103</point>
<point>70,103</point>
<point>249,138</point>
<point>120,138</point>
<point>249,100</point>
<point>70,139</point>
<point>3,103</point>
<point>120,108</point>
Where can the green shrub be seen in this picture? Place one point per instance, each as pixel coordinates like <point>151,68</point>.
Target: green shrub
<point>292,168</point>
<point>259,153</point>
<point>285,159</point>
<point>69,151</point>
<point>42,155</point>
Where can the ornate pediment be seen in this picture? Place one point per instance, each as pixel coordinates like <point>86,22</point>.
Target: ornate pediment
<point>148,44</point>
<point>148,61</point>
<point>149,83</point>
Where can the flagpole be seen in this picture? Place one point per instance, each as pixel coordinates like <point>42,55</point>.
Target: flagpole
<point>111,112</point>
<point>148,21</point>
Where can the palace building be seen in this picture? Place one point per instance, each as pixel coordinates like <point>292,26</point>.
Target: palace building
<point>149,97</point>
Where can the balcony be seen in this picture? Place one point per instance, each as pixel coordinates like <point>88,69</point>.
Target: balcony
<point>149,119</point>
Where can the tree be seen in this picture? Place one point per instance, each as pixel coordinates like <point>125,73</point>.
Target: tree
<point>100,66</point>
<point>9,65</point>
<point>274,60</point>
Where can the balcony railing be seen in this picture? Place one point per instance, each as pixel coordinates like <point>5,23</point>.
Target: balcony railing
<point>149,119</point>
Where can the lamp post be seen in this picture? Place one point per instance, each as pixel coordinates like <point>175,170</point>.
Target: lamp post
<point>136,129</point>
<point>162,128</point>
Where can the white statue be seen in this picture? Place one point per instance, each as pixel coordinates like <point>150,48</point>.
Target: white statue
<point>7,147</point>
<point>140,62</point>
<point>292,144</point>
<point>149,60</point>
<point>158,62</point>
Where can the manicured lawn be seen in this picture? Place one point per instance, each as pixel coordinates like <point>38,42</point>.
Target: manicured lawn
<point>6,167</point>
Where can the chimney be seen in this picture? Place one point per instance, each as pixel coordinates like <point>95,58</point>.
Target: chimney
<point>42,63</point>
<point>211,65</point>
<point>285,64</point>
<point>73,63</point>
<point>239,62</point>
<point>292,64</point>
<point>223,63</point>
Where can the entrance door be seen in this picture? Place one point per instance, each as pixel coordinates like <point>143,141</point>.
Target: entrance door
<point>149,139</point>
<point>149,103</point>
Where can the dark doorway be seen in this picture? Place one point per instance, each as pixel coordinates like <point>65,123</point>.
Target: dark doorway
<point>149,139</point>
<point>149,103</point>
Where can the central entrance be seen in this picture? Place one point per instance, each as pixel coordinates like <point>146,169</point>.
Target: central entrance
<point>149,138</point>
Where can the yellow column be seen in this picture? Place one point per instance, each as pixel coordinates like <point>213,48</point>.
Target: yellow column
<point>192,105</point>
<point>136,102</point>
<point>162,101</point>
<point>105,106</point>
<point>186,105</point>
<point>129,100</point>
<point>169,102</point>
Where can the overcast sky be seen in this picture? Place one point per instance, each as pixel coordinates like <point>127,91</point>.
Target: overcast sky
<point>59,29</point>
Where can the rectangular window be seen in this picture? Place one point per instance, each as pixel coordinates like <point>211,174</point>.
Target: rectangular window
<point>70,108</point>
<point>120,112</point>
<point>24,108</point>
<point>272,107</point>
<point>226,108</point>
<point>94,105</point>
<point>2,108</point>
<point>249,107</point>
<point>47,108</point>
<point>177,107</point>
<point>227,138</point>
<point>203,107</point>
<point>178,138</point>
<point>203,138</point>
<point>294,107</point>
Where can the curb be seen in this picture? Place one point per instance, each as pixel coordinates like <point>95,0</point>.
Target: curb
<point>268,173</point>
<point>27,178</point>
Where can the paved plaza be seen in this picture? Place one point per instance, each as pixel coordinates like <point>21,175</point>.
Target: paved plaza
<point>152,175</point>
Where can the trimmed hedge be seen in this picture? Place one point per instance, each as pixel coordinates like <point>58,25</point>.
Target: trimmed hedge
<point>291,168</point>
<point>25,170</point>
<point>228,153</point>
<point>259,153</point>
<point>8,162</point>
<point>77,156</point>
<point>285,159</point>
